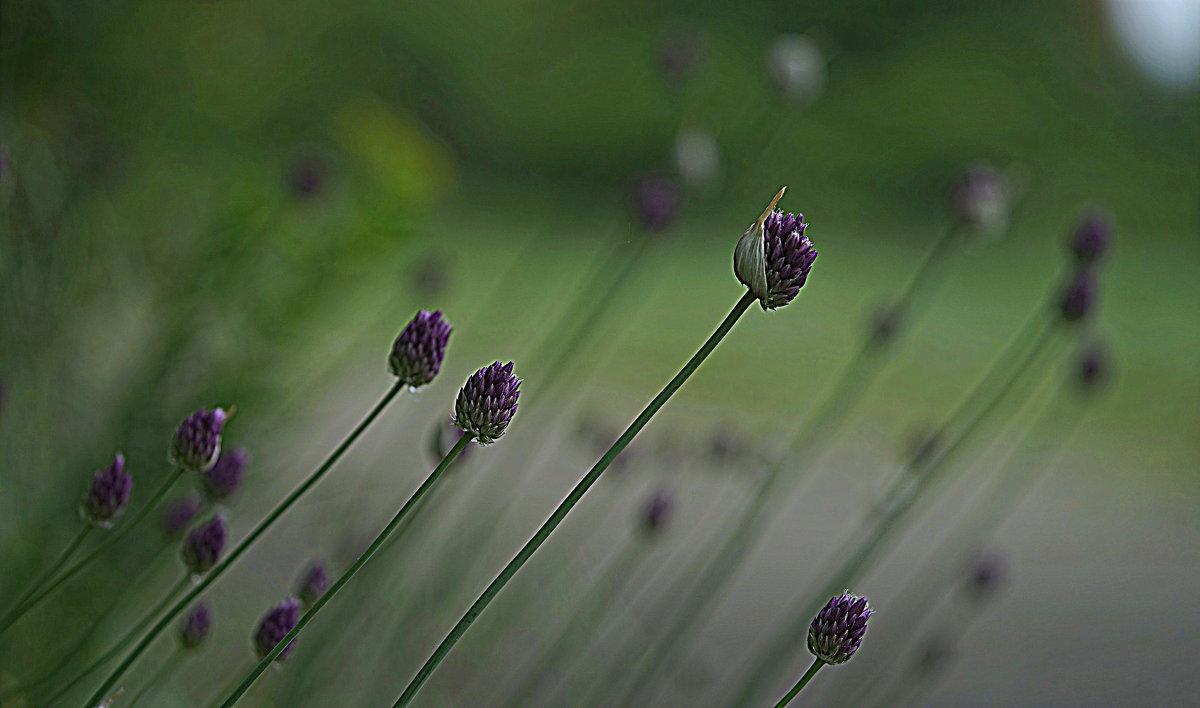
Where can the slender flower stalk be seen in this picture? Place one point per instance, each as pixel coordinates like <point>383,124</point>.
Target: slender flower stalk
<point>14,613</point>
<point>280,509</point>
<point>780,270</point>
<point>812,671</point>
<point>283,645</point>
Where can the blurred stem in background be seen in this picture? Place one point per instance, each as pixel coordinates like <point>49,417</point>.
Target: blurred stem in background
<point>15,612</point>
<point>112,540</point>
<point>1001,379</point>
<point>573,498</point>
<point>124,640</point>
<point>165,670</point>
<point>366,556</point>
<point>101,693</point>
<point>818,430</point>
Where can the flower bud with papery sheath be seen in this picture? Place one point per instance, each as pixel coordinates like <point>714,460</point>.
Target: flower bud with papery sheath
<point>197,442</point>
<point>981,200</point>
<point>487,402</point>
<point>773,258</point>
<point>418,351</point>
<point>837,630</point>
<point>109,493</point>
<point>274,626</point>
<point>202,547</point>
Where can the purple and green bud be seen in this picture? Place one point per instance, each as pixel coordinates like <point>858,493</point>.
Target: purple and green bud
<point>418,351</point>
<point>837,630</point>
<point>1094,368</point>
<point>195,626</point>
<point>223,478</point>
<point>1077,299</point>
<point>657,511</point>
<point>1089,242</point>
<point>180,513</point>
<point>487,402</point>
<point>197,442</point>
<point>202,547</point>
<point>656,199</point>
<point>773,258</point>
<point>313,584</point>
<point>274,626</point>
<point>108,493</point>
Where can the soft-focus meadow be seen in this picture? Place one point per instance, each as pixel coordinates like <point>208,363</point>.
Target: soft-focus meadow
<point>241,203</point>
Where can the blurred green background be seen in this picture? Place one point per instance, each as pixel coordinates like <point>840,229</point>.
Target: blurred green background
<point>240,203</point>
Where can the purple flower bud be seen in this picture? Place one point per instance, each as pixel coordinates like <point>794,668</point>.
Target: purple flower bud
<point>307,176</point>
<point>656,199</point>
<point>487,402</point>
<point>180,513</point>
<point>980,199</point>
<point>417,354</point>
<point>681,52</point>
<point>313,584</point>
<point>773,258</point>
<point>195,625</point>
<point>202,547</point>
<point>1090,240</point>
<point>109,492</point>
<point>274,626</point>
<point>985,576</point>
<point>197,442</point>
<point>658,509</point>
<point>223,478</point>
<point>1094,368</point>
<point>1076,301</point>
<point>837,630</point>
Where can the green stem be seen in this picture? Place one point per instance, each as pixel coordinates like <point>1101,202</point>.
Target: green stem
<point>49,573</point>
<point>308,616</point>
<point>855,562</point>
<point>812,671</point>
<point>572,499</point>
<point>164,671</point>
<point>245,545</point>
<point>112,540</point>
<point>125,639</point>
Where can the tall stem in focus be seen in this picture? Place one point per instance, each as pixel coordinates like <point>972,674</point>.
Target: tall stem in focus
<point>102,692</point>
<point>812,671</point>
<point>350,572</point>
<point>572,499</point>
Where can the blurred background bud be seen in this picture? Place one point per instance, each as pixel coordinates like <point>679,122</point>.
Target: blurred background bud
<point>796,68</point>
<point>108,493</point>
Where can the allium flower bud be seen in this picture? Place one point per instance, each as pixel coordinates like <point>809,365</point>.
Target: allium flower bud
<point>885,323</point>
<point>681,51</point>
<point>417,354</point>
<point>313,584</point>
<point>197,442</point>
<point>985,576</point>
<point>274,626</point>
<point>980,199</point>
<point>837,630</point>
<point>180,513</point>
<point>109,492</point>
<point>1090,240</point>
<point>1094,367</point>
<point>773,258</point>
<point>195,626</point>
<point>202,547</point>
<point>223,478</point>
<point>487,402</point>
<point>658,509</point>
<point>796,68</point>
<point>656,199</point>
<point>1076,301</point>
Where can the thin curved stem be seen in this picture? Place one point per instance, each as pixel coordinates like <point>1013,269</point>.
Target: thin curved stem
<point>245,545</point>
<point>164,671</point>
<point>49,573</point>
<point>812,671</point>
<point>125,639</point>
<point>111,541</point>
<point>363,559</point>
<point>572,499</point>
